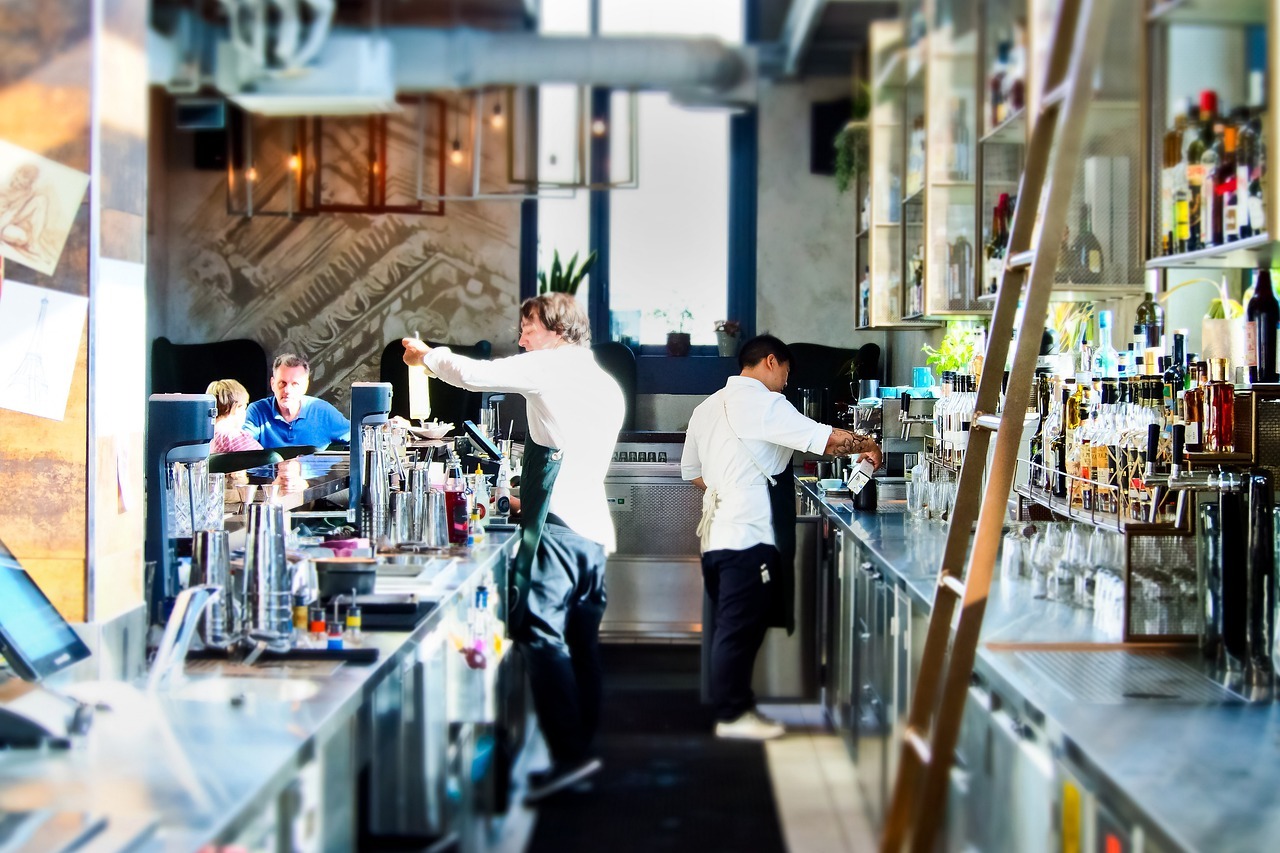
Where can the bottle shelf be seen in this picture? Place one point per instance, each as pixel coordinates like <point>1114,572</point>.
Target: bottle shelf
<point>1213,12</point>
<point>1259,251</point>
<point>1065,508</point>
<point>1012,130</point>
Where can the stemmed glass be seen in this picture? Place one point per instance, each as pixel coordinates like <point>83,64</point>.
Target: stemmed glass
<point>1045,550</point>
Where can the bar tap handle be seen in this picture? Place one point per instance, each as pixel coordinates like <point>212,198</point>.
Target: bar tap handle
<point>1153,448</point>
<point>1179,445</point>
<point>904,416</point>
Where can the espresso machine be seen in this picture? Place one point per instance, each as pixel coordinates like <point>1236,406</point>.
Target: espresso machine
<point>179,429</point>
<point>370,404</point>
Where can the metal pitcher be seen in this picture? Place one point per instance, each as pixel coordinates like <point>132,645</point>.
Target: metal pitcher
<point>269,580</point>
<point>211,565</point>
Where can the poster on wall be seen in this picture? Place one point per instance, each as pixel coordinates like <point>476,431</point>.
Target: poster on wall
<point>38,203</point>
<point>40,332</point>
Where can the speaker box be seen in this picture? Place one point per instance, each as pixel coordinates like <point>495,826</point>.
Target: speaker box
<point>209,150</point>
<point>826,120</point>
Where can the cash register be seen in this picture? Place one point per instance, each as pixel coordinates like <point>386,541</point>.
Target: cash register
<point>37,643</point>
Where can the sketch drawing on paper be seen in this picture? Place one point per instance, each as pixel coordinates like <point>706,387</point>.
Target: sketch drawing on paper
<point>40,335</point>
<point>38,203</point>
<point>28,383</point>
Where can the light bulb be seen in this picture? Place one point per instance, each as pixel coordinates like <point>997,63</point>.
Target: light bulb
<point>598,127</point>
<point>498,121</point>
<point>455,156</point>
<point>295,163</point>
<point>251,174</point>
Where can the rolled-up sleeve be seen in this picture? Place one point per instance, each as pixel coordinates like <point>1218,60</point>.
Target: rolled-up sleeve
<point>780,423</point>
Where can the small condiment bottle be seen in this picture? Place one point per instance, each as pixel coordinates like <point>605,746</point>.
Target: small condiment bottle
<point>355,619</point>
<point>300,615</point>
<point>335,634</point>
<point>316,622</point>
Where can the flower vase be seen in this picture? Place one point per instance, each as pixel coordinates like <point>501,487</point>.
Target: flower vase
<point>726,344</point>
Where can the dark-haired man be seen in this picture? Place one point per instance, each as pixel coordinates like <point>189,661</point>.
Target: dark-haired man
<point>575,410</point>
<point>738,450</point>
<point>291,418</point>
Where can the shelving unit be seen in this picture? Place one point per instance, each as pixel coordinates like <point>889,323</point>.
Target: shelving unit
<point>1227,23</point>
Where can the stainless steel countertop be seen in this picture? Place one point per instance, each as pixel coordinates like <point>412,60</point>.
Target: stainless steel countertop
<point>1202,774</point>
<point>202,768</point>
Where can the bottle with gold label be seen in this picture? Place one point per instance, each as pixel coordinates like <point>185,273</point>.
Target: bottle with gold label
<point>1220,408</point>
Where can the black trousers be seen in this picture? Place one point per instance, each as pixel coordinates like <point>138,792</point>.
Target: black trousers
<point>741,596</point>
<point>559,636</point>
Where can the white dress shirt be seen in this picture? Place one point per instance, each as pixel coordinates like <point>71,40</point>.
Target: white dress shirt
<point>769,429</point>
<point>572,405</point>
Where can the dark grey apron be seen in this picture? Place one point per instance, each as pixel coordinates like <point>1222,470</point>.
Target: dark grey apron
<point>537,477</point>
<point>782,506</point>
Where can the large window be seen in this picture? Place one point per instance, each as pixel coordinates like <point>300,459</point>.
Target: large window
<point>669,238</point>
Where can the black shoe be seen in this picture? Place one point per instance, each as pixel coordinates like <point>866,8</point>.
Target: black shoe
<point>544,783</point>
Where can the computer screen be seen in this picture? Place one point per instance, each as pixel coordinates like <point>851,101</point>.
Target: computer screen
<point>34,637</point>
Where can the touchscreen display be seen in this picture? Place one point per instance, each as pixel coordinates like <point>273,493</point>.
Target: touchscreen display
<point>34,637</point>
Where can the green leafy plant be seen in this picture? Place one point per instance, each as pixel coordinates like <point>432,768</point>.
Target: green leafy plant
<point>852,142</point>
<point>565,279</point>
<point>959,347</point>
<point>674,318</point>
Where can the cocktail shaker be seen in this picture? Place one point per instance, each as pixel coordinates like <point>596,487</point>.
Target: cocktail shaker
<point>211,564</point>
<point>269,579</point>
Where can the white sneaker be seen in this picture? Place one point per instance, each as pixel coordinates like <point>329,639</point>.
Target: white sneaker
<point>751,726</point>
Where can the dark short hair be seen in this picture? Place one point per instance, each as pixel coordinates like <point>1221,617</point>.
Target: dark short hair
<point>559,313</point>
<point>761,347</point>
<point>290,359</point>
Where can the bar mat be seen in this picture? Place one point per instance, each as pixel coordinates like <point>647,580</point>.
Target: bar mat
<point>359,654</point>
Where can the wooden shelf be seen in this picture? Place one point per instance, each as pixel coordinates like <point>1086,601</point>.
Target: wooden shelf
<point>1011,131</point>
<point>1210,12</point>
<point>1252,253</point>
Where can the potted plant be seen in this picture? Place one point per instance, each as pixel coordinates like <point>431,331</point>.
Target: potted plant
<point>677,339</point>
<point>851,143</point>
<point>562,279</point>
<point>958,349</point>
<point>727,332</point>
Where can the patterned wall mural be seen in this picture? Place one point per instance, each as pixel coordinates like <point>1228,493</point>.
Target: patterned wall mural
<point>336,286</point>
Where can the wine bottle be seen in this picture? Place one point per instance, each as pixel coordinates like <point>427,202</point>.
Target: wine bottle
<point>1200,141</point>
<point>1262,314</point>
<point>1086,252</point>
<point>995,249</point>
<point>1150,316</point>
<point>1249,146</point>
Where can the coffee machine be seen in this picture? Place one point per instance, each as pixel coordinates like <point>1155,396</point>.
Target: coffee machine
<point>179,429</point>
<point>370,404</point>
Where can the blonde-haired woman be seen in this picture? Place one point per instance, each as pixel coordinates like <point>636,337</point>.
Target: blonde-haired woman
<point>228,427</point>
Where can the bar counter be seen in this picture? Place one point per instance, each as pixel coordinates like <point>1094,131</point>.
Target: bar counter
<point>1186,764</point>
<point>204,771</point>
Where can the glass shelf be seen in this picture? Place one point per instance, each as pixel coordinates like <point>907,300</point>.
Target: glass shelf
<point>1212,12</point>
<point>1252,253</point>
<point>1012,130</point>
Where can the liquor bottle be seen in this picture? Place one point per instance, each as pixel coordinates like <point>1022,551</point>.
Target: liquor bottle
<point>1210,207</point>
<point>961,151</point>
<point>995,247</point>
<point>1172,179</point>
<point>1262,315</point>
<point>1044,394</point>
<point>1086,252</point>
<point>1193,408</point>
<point>995,84</point>
<point>1200,139</point>
<point>1226,185</point>
<point>1220,408</point>
<point>1175,375</point>
<point>1150,316</point>
<point>1249,149</point>
<point>1105,360</point>
<point>864,298</point>
<point>962,261</point>
<point>1060,452</point>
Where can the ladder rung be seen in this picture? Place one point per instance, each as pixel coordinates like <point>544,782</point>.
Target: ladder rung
<point>1055,97</point>
<point>1021,260</point>
<point>919,745</point>
<point>952,584</point>
<point>991,423</point>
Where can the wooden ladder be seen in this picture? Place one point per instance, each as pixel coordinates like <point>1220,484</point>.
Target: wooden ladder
<point>920,790</point>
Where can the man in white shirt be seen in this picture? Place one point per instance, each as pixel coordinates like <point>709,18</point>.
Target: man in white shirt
<point>575,410</point>
<point>738,450</point>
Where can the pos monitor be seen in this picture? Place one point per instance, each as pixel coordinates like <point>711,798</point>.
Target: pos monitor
<point>34,637</point>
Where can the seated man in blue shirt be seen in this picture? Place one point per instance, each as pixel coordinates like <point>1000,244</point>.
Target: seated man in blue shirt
<point>290,417</point>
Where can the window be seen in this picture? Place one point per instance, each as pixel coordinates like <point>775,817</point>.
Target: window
<point>669,238</point>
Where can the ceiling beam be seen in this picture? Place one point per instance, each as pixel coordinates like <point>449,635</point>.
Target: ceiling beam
<point>797,31</point>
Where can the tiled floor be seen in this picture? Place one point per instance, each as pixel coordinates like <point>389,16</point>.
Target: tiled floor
<point>814,786</point>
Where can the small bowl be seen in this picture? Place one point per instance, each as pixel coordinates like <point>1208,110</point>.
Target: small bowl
<point>432,430</point>
<point>831,484</point>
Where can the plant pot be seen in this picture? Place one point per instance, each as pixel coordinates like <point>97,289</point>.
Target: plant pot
<point>727,344</point>
<point>677,343</point>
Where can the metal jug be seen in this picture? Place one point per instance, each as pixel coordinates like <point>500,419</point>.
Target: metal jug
<point>211,565</point>
<point>267,575</point>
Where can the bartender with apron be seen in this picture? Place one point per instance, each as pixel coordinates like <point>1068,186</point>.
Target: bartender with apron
<point>738,450</point>
<point>575,410</point>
